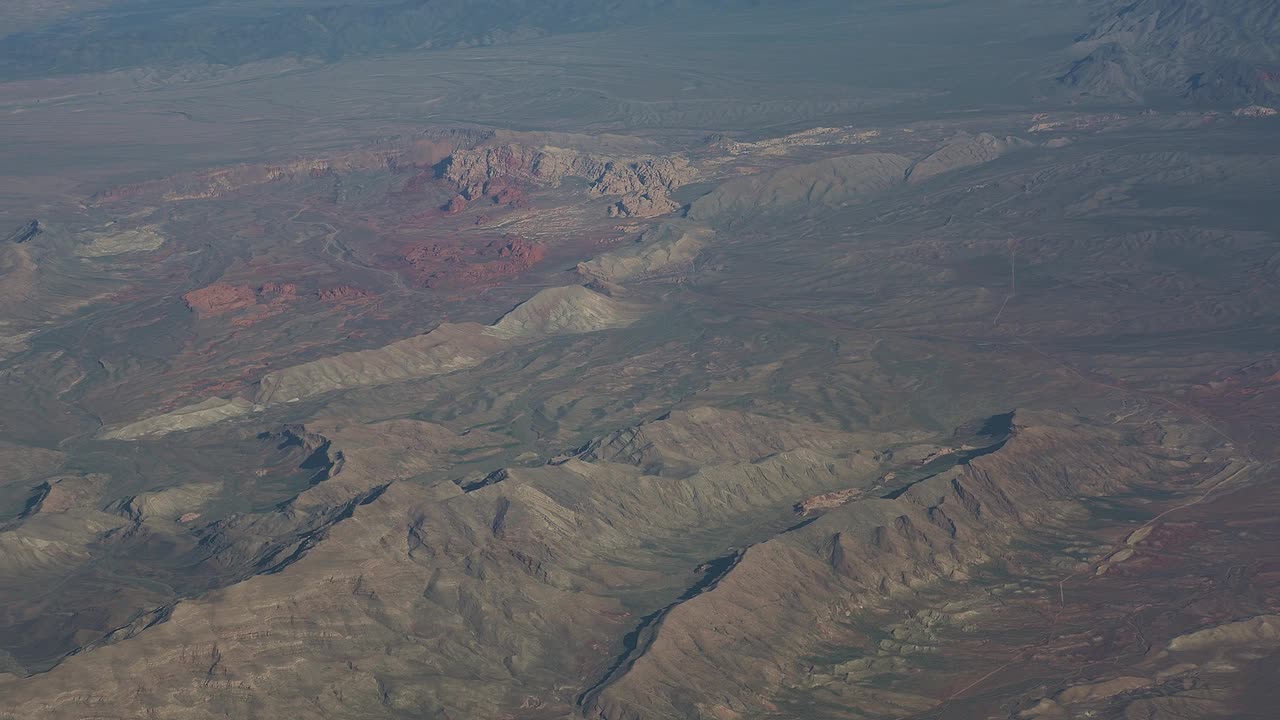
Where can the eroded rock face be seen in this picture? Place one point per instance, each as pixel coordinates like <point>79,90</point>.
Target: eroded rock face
<point>343,294</point>
<point>456,204</point>
<point>643,205</point>
<point>24,233</point>
<point>441,264</point>
<point>1255,111</point>
<point>489,171</point>
<point>220,298</point>
<point>638,177</point>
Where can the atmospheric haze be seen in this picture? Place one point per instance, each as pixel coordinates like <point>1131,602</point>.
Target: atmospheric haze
<point>664,359</point>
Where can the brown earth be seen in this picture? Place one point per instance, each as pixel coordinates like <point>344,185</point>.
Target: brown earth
<point>436,264</point>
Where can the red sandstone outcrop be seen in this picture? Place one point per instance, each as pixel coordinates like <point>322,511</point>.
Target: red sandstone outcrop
<point>456,204</point>
<point>441,264</point>
<point>343,294</point>
<point>505,193</point>
<point>280,291</point>
<point>220,298</point>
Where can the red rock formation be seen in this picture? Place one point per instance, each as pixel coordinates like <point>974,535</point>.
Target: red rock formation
<point>344,294</point>
<point>505,192</point>
<point>283,291</point>
<point>438,264</point>
<point>456,205</point>
<point>220,298</point>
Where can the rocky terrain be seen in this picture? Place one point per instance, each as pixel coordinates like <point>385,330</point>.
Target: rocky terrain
<point>644,184</point>
<point>716,360</point>
<point>1208,52</point>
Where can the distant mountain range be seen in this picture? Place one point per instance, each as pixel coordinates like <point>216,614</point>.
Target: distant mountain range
<point>1205,51</point>
<point>133,33</point>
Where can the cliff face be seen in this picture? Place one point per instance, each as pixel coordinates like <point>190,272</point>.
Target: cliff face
<point>643,183</point>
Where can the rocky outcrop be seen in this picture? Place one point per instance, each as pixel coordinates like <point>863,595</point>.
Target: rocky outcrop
<point>222,298</point>
<point>24,233</point>
<point>1255,111</point>
<point>828,501</point>
<point>643,205</point>
<point>637,177</point>
<point>644,182</point>
<point>456,204</point>
<point>452,265</point>
<point>344,294</point>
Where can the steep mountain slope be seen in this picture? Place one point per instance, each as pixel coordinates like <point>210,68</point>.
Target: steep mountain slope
<point>1212,52</point>
<point>785,598</point>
